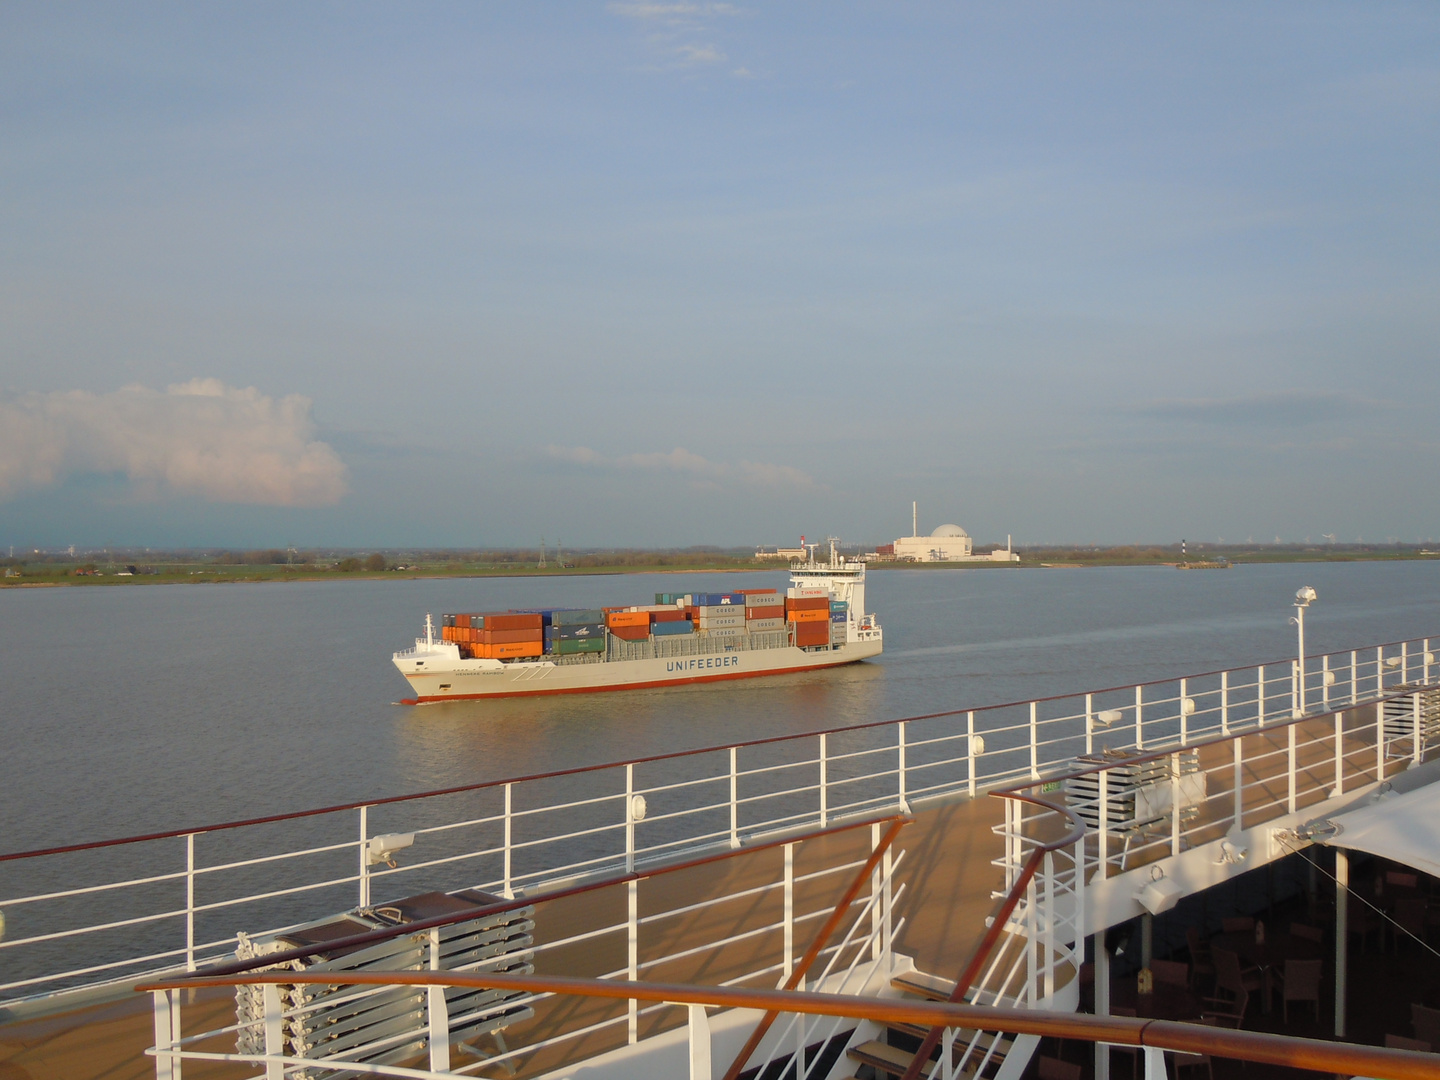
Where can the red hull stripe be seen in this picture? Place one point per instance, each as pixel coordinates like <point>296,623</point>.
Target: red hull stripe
<point>636,686</point>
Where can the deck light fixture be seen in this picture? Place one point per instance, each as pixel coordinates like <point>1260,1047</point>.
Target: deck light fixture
<point>1304,597</point>
<point>1159,894</point>
<point>1107,717</point>
<point>382,849</point>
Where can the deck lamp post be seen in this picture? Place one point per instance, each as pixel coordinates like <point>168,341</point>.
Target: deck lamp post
<point>1304,596</point>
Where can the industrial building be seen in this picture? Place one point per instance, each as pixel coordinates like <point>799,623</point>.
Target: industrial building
<point>948,543</point>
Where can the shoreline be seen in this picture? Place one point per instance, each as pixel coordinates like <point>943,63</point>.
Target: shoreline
<point>241,575</point>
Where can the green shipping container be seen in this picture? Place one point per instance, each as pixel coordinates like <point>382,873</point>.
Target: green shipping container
<point>571,646</point>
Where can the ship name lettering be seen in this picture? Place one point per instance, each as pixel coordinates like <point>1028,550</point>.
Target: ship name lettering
<point>677,666</point>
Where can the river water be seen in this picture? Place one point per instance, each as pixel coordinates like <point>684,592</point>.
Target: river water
<point>131,709</point>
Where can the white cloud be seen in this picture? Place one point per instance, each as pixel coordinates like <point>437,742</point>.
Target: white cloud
<point>200,438</point>
<point>699,469</point>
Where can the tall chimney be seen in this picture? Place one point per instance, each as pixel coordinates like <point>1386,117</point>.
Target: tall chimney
<point>914,519</point>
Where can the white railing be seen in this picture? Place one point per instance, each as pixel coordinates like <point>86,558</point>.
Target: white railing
<point>175,901</point>
<point>801,902</point>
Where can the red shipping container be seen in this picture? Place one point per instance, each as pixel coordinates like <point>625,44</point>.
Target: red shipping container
<point>672,615</point>
<point>462,621</point>
<point>514,620</point>
<point>756,592</point>
<point>816,633</point>
<point>807,603</point>
<point>631,633</point>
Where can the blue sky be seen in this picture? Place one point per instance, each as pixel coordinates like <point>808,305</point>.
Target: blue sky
<point>679,273</point>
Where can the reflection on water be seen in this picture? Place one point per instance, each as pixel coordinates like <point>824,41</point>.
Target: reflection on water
<point>133,709</point>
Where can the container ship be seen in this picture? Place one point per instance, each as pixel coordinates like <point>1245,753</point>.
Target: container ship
<point>819,621</point>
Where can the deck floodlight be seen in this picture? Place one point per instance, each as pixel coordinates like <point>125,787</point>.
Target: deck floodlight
<point>1230,854</point>
<point>1304,596</point>
<point>638,808</point>
<point>1108,716</point>
<point>382,849</point>
<point>1159,894</point>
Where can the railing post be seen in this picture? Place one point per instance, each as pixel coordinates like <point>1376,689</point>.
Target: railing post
<point>189,901</point>
<point>887,901</point>
<point>1419,753</point>
<point>364,858</point>
<point>789,963</point>
<point>970,749</point>
<point>1379,741</point>
<point>1425,658</point>
<point>1034,743</point>
<point>1030,944</point>
<point>1102,838</point>
<point>1239,783</point>
<point>1154,1064</point>
<point>1404,661</point>
<point>877,914</point>
<point>1175,804</point>
<point>904,805</point>
<point>437,1013</point>
<point>1379,669</point>
<point>274,1032</point>
<point>1184,714</point>
<point>734,801</point>
<point>1325,681</point>
<point>1260,695</point>
<point>700,1068</point>
<point>629,818</point>
<point>1339,754</point>
<point>632,966</point>
<point>1354,677</point>
<point>1225,703</point>
<point>1047,930</point>
<point>166,1067</point>
<point>947,1052</point>
<point>1289,768</point>
<point>824,781</point>
<point>1089,724</point>
<point>1139,721</point>
<point>509,825</point>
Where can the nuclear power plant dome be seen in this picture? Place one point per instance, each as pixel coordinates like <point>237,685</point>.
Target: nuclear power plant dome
<point>949,530</point>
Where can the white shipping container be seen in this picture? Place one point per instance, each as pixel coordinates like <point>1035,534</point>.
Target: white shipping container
<point>760,626</point>
<point>721,620</point>
<point>800,594</point>
<point>724,631</point>
<point>720,609</point>
<point>764,600</point>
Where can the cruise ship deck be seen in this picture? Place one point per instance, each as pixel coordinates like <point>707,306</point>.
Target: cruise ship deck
<point>985,855</point>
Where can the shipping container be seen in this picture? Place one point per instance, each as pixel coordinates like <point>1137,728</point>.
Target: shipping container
<point>627,618</point>
<point>506,637</point>
<point>576,633</point>
<point>799,594</point>
<point>807,616</point>
<point>764,600</point>
<point>631,633</point>
<point>575,646</point>
<point>764,626</point>
<point>509,650</point>
<point>807,603</point>
<point>723,631</point>
<point>670,629</point>
<point>758,592</point>
<point>811,634</point>
<point>577,617</point>
<point>668,615</point>
<point>706,622</point>
<point>839,605</point>
<point>839,616</point>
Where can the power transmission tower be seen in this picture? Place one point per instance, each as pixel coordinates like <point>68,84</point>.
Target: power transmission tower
<point>541,564</point>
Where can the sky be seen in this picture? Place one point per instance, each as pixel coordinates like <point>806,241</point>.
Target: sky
<point>678,273</point>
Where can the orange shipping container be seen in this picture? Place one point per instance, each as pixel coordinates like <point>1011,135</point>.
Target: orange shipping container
<point>514,620</point>
<point>507,650</point>
<point>509,637</point>
<point>808,616</point>
<point>631,633</point>
<point>627,618</point>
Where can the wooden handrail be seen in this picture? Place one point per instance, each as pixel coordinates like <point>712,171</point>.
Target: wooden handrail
<point>1349,1059</point>
<point>482,785</point>
<point>818,943</point>
<point>999,920</point>
<point>373,937</point>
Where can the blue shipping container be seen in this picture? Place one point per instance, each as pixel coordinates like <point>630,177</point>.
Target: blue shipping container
<point>670,629</point>
<point>573,633</point>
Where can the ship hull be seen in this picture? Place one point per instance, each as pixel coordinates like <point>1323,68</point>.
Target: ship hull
<point>437,677</point>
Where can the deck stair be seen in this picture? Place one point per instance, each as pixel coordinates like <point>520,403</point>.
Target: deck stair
<point>975,1054</point>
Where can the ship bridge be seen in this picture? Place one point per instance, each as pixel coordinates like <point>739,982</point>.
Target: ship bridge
<point>928,897</point>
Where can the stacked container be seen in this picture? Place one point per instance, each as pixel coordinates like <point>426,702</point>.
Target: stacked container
<point>764,611</point>
<point>628,625</point>
<point>496,635</point>
<point>572,633</point>
<point>809,616</point>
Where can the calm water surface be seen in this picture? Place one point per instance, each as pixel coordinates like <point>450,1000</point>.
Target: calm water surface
<point>126,710</point>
